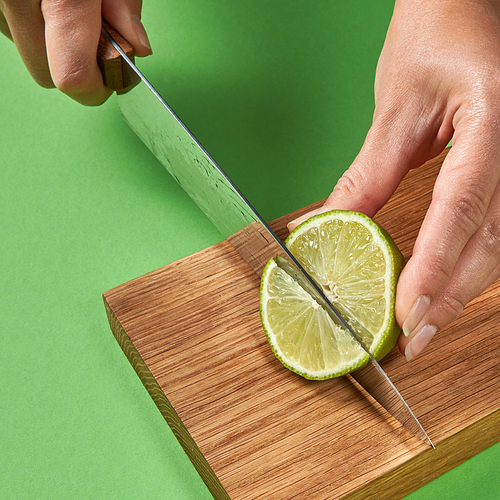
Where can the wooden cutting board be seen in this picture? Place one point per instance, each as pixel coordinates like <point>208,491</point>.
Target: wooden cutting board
<point>252,429</point>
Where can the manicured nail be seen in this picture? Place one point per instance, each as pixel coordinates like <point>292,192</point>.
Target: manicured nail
<point>294,223</point>
<point>141,32</point>
<point>418,343</point>
<point>416,314</point>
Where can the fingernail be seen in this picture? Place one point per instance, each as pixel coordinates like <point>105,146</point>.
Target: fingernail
<point>418,343</point>
<point>294,223</point>
<point>141,32</point>
<point>416,314</point>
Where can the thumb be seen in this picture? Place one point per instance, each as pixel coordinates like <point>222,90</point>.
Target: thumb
<point>370,180</point>
<point>125,17</point>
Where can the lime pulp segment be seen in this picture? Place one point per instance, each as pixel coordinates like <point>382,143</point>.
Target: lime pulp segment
<point>357,264</point>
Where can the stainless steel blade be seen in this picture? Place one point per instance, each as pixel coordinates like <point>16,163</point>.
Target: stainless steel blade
<point>372,377</point>
<point>154,121</point>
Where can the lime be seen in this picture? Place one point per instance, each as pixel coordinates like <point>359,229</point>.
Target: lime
<point>357,265</point>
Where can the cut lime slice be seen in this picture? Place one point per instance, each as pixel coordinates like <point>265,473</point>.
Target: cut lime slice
<point>357,265</point>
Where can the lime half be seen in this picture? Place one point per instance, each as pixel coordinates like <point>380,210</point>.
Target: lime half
<point>357,264</point>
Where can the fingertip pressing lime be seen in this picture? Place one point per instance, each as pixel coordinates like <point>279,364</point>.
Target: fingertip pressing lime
<point>357,265</point>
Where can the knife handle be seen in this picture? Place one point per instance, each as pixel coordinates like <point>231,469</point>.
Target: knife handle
<point>116,73</point>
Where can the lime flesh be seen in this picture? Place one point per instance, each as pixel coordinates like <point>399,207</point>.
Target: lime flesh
<point>357,265</point>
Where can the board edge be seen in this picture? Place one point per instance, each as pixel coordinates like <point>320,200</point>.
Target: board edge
<point>432,463</point>
<point>166,409</point>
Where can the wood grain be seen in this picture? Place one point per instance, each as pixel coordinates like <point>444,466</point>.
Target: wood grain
<point>252,429</point>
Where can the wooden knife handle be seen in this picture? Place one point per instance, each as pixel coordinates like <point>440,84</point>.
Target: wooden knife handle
<point>116,73</point>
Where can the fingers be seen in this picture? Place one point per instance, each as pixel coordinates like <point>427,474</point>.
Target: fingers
<point>296,222</point>
<point>456,254</point>
<point>429,87</point>
<point>475,271</point>
<point>58,40</point>
<point>26,26</point>
<point>72,31</point>
<point>4,27</point>
<point>399,140</point>
<point>125,17</point>
<point>368,183</point>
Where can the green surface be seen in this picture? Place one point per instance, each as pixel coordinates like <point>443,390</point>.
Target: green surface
<point>280,93</point>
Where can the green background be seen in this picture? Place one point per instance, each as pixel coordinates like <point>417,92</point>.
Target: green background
<point>281,94</point>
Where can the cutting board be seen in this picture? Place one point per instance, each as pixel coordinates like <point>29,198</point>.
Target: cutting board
<point>253,429</point>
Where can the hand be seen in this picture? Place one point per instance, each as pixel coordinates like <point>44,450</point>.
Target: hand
<point>58,40</point>
<point>438,78</point>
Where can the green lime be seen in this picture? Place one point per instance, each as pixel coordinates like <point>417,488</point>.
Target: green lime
<point>357,265</point>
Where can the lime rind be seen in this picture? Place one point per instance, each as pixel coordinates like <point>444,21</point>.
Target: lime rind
<point>394,264</point>
<point>309,311</point>
<point>318,353</point>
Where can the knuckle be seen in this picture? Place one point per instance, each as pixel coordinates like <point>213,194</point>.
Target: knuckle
<point>482,115</point>
<point>72,81</point>
<point>490,235</point>
<point>351,188</point>
<point>347,183</point>
<point>451,305</point>
<point>438,267</point>
<point>59,7</point>
<point>483,90</point>
<point>469,209</point>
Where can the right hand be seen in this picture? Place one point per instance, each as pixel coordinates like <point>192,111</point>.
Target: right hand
<point>58,39</point>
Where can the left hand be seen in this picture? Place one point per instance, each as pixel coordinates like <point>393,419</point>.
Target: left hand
<point>438,77</point>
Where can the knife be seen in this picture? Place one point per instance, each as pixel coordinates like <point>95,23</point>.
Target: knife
<point>157,125</point>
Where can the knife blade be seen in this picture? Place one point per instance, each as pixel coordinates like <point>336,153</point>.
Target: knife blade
<point>158,126</point>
